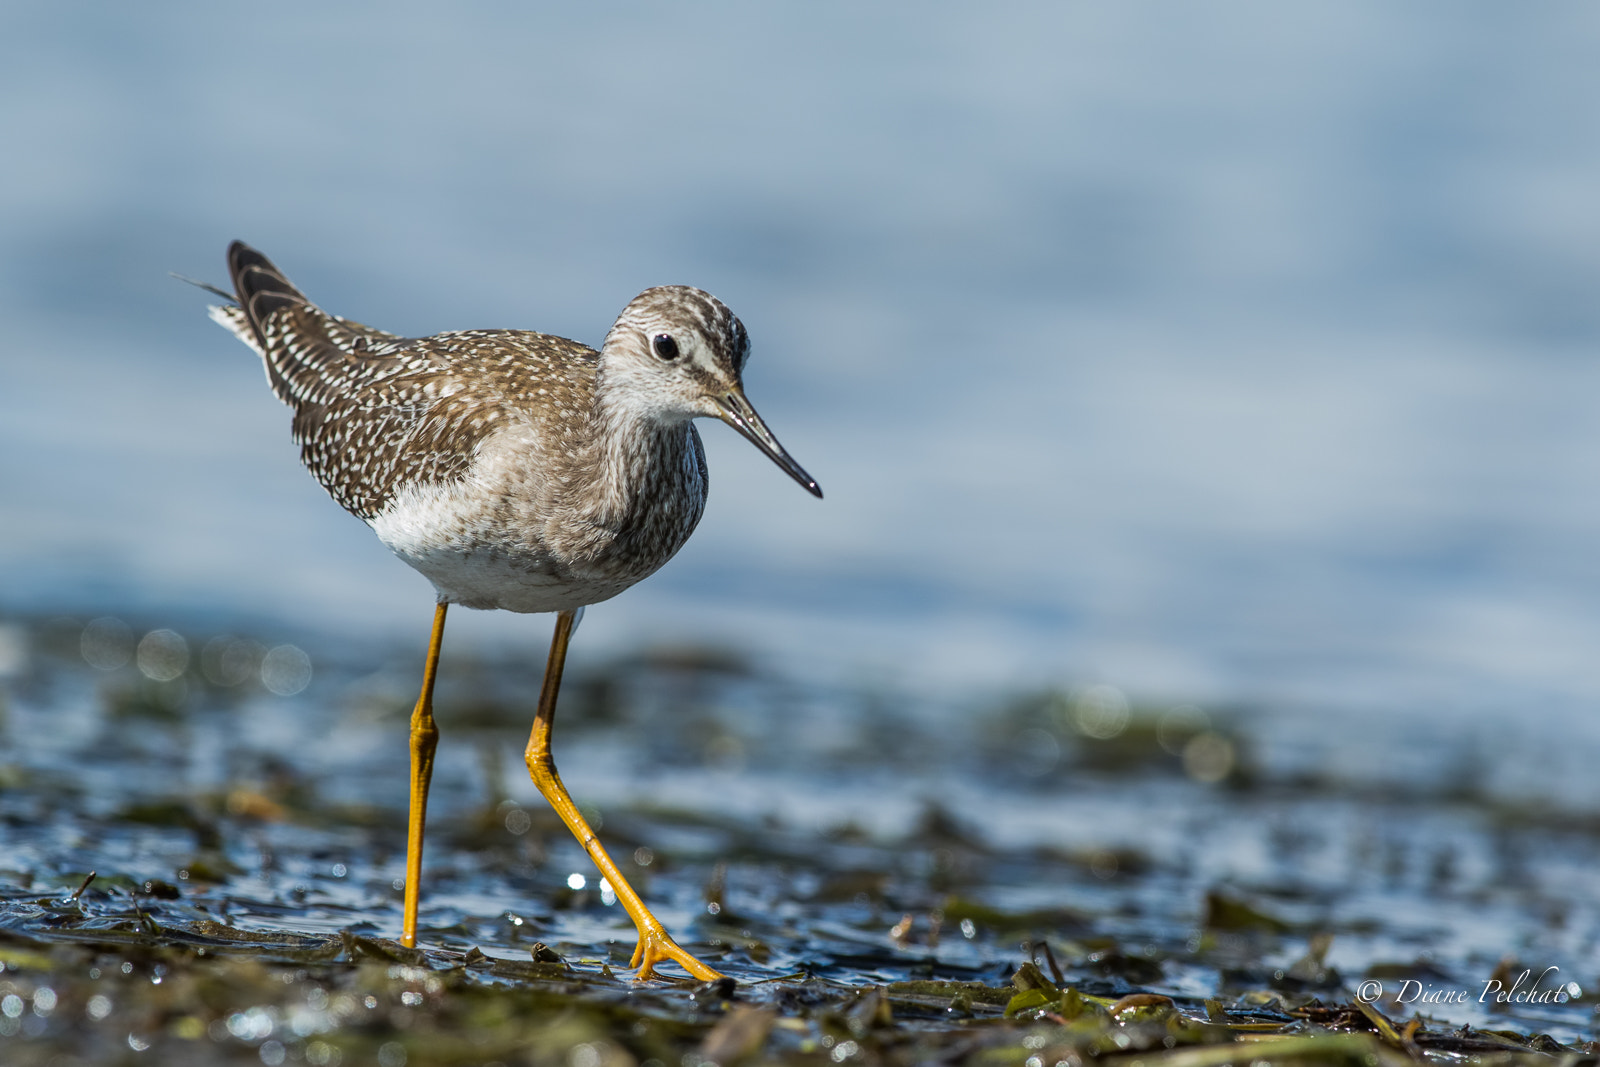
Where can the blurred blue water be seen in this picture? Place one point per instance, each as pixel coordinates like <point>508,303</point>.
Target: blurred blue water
<point>1230,353</point>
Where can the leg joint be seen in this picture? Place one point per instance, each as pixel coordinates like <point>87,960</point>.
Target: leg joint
<point>541,768</point>
<point>424,736</point>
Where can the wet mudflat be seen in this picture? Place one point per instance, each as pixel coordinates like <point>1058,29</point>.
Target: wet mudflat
<point>204,835</point>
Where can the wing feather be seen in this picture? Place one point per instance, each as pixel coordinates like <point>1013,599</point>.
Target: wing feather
<point>372,410</point>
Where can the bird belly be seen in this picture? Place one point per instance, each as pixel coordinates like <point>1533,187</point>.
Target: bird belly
<point>475,559</point>
<point>485,577</point>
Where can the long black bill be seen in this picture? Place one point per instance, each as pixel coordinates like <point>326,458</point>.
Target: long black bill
<point>737,412</point>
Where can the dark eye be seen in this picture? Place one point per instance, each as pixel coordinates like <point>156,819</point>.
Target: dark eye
<point>664,347</point>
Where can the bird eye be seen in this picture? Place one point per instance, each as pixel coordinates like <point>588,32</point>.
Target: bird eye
<point>664,347</point>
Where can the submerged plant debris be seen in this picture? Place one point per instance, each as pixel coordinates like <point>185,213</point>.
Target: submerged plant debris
<point>204,836</point>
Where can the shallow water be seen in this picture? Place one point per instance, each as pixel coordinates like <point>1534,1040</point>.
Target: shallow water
<point>812,842</point>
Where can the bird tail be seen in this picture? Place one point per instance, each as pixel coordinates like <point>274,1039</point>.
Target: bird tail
<point>231,317</point>
<point>261,289</point>
<point>309,355</point>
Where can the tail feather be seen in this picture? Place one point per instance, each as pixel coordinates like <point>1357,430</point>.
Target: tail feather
<point>310,355</point>
<point>261,287</point>
<point>207,286</point>
<point>232,318</point>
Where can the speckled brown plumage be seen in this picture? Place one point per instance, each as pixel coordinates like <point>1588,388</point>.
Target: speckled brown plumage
<point>514,469</point>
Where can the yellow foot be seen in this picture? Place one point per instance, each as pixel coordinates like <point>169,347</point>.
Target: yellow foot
<point>655,946</point>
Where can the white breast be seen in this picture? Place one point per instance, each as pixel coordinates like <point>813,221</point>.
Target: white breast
<point>464,544</point>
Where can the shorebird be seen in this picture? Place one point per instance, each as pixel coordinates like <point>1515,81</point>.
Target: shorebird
<point>514,470</point>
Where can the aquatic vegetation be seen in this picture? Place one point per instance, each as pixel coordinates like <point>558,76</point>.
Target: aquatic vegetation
<point>207,874</point>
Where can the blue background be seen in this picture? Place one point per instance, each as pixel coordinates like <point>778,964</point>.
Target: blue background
<point>1236,352</point>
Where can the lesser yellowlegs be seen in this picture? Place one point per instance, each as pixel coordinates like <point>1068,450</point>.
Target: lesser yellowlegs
<point>515,470</point>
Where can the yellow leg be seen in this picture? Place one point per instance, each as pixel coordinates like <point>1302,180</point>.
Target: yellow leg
<point>424,739</point>
<point>655,945</point>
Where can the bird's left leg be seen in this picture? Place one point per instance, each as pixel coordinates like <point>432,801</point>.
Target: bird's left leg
<point>424,739</point>
<point>655,944</point>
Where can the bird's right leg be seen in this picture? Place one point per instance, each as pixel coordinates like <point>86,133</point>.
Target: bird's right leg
<point>424,739</point>
<point>655,944</point>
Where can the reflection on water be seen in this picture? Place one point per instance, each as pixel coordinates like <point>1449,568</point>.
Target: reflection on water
<point>787,827</point>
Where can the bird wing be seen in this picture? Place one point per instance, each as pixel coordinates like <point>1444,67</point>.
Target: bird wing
<point>373,412</point>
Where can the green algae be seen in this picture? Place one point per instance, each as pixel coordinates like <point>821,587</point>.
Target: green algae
<point>240,905</point>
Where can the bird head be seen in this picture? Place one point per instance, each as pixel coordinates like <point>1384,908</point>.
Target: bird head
<point>677,353</point>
